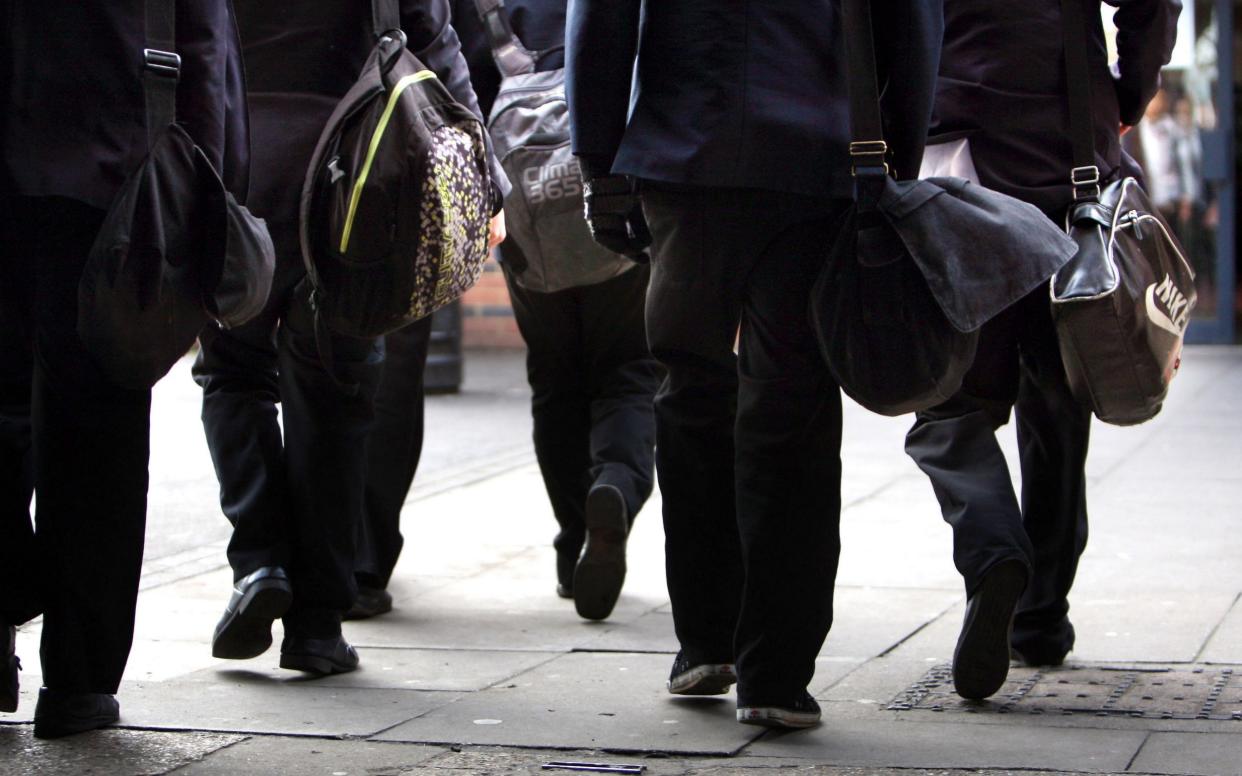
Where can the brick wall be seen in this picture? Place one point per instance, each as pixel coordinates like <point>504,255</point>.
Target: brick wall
<point>487,316</point>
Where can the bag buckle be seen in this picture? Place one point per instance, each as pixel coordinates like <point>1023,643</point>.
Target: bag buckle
<point>867,157</point>
<point>165,63</point>
<point>1085,176</point>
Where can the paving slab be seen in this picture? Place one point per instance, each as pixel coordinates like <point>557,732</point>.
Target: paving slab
<point>477,626</point>
<point>1192,754</point>
<point>947,744</point>
<point>445,670</point>
<point>110,752</point>
<point>1165,627</point>
<point>613,701</point>
<point>868,621</point>
<point>252,704</point>
<point>650,632</point>
<point>1225,645</point>
<point>310,757</point>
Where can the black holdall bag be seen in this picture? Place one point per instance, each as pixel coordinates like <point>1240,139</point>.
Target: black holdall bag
<point>1122,304</point>
<point>176,251</point>
<point>919,265</point>
<point>397,200</point>
<point>529,126</point>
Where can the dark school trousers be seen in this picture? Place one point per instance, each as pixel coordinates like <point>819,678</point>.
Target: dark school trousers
<point>748,446</point>
<point>76,441</point>
<point>393,451</point>
<point>295,500</point>
<point>1017,366</point>
<point>592,382</point>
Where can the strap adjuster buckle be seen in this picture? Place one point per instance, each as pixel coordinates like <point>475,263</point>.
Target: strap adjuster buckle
<point>1086,181</point>
<point>861,149</point>
<point>165,63</point>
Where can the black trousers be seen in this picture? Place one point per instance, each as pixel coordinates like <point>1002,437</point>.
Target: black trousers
<point>748,446</point>
<point>79,443</point>
<point>592,382</point>
<point>294,500</point>
<point>393,451</point>
<point>1018,367</point>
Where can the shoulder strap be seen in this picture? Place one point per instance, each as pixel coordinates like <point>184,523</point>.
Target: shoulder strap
<point>1085,176</point>
<point>512,58</point>
<point>161,67</point>
<point>385,16</point>
<point>868,150</point>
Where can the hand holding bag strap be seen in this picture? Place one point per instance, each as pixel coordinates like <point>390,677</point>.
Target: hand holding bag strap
<point>161,67</point>
<point>868,151</point>
<point>1085,176</point>
<point>512,58</point>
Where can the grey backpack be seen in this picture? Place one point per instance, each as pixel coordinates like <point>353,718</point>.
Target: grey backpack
<point>529,125</point>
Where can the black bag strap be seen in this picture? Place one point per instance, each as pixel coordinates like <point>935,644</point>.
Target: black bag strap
<point>512,58</point>
<point>1085,176</point>
<point>161,67</point>
<point>385,17</point>
<point>868,150</point>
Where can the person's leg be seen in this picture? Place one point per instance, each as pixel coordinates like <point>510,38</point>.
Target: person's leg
<point>550,325</point>
<point>393,451</point>
<point>326,429</point>
<point>788,464</point>
<point>1053,433</point>
<point>700,254</point>
<point>91,449</point>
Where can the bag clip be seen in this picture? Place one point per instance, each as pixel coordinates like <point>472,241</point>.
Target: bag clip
<point>1086,176</point>
<point>872,154</point>
<point>165,63</point>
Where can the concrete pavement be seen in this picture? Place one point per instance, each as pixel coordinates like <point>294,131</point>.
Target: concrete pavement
<point>482,669</point>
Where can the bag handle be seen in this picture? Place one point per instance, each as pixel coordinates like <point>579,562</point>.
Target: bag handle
<point>868,149</point>
<point>512,58</point>
<point>1085,176</point>
<point>161,67</point>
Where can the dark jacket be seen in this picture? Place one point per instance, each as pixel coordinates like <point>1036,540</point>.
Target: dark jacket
<point>539,24</point>
<point>740,92</point>
<point>73,123</point>
<point>1002,84</point>
<point>302,56</point>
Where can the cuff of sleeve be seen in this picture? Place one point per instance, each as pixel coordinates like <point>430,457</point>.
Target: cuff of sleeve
<point>595,165</point>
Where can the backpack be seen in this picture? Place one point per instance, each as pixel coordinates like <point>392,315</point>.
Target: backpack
<point>397,199</point>
<point>529,127</point>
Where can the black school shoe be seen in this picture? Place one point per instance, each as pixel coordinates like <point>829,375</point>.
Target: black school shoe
<point>318,656</point>
<point>600,572</point>
<point>9,665</point>
<point>801,713</point>
<point>60,714</point>
<point>981,659</point>
<point>701,679</point>
<point>258,600</point>
<point>371,602</point>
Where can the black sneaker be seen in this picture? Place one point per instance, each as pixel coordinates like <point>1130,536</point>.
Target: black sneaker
<point>802,713</point>
<point>601,567</point>
<point>702,679</point>
<point>371,602</point>
<point>981,659</point>
<point>59,714</point>
<point>9,666</point>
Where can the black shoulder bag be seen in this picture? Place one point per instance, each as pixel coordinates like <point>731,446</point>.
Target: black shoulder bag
<point>176,250</point>
<point>1122,304</point>
<point>918,265</point>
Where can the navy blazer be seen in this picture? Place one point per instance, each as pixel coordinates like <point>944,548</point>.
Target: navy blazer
<point>302,56</point>
<point>539,24</point>
<point>73,122</point>
<point>740,92</point>
<point>1002,85</point>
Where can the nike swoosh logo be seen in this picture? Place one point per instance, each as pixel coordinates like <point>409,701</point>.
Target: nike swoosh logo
<point>1158,316</point>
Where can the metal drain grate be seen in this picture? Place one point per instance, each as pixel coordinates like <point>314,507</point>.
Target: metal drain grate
<point>1107,691</point>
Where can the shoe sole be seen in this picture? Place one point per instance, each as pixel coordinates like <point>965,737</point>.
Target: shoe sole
<point>78,725</point>
<point>315,664</point>
<point>600,572</point>
<point>981,659</point>
<point>707,679</point>
<point>247,632</point>
<point>778,718</point>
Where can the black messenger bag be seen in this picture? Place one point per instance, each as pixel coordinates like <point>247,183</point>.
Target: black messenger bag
<point>919,265</point>
<point>1122,304</point>
<point>397,199</point>
<point>176,250</point>
<point>529,126</point>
